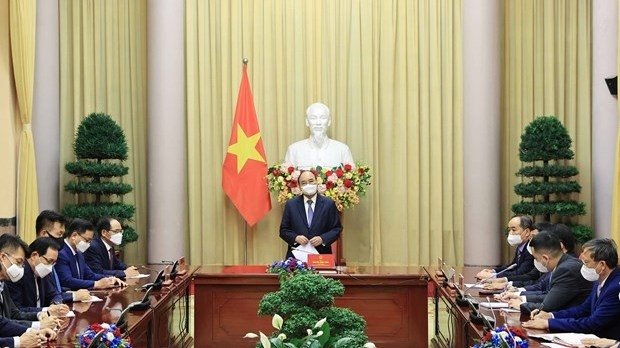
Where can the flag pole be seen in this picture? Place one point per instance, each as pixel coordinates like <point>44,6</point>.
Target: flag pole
<point>245,229</point>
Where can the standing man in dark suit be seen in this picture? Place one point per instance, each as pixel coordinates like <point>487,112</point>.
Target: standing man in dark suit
<point>567,288</point>
<point>520,229</point>
<point>72,270</point>
<point>101,257</point>
<point>599,314</point>
<point>310,218</point>
<point>36,290</point>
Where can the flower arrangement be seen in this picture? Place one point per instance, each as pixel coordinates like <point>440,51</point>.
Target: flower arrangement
<point>290,266</point>
<point>318,336</point>
<point>344,184</point>
<point>504,337</point>
<point>112,337</point>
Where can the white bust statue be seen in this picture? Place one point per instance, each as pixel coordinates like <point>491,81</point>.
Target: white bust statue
<point>318,150</point>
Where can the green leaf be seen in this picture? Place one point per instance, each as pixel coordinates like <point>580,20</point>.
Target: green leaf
<point>326,333</point>
<point>342,342</point>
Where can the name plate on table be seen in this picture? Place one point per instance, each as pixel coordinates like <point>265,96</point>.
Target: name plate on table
<point>322,261</point>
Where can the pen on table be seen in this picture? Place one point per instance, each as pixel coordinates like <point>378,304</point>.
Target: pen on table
<point>536,311</point>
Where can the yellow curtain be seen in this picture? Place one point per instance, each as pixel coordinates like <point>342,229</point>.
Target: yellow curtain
<point>23,18</point>
<point>547,71</point>
<point>10,127</point>
<point>615,203</point>
<point>103,69</point>
<point>391,72</point>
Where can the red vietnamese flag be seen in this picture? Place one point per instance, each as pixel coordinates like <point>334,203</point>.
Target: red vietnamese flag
<point>244,173</point>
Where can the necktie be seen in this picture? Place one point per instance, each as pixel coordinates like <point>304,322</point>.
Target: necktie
<point>56,281</point>
<point>111,254</point>
<point>310,213</point>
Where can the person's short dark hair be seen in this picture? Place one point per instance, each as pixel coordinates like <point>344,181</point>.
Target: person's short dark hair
<point>80,226</point>
<point>525,221</point>
<point>546,242</point>
<point>565,235</point>
<point>542,226</point>
<point>104,223</point>
<point>41,245</point>
<point>603,249</point>
<point>47,218</point>
<point>9,243</point>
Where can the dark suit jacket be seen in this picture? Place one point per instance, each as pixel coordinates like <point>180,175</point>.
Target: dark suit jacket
<point>325,223</point>
<point>524,261</point>
<point>541,286</point>
<point>98,260</point>
<point>68,273</point>
<point>8,330</point>
<point>24,294</point>
<point>9,310</point>
<point>567,288</point>
<point>599,315</point>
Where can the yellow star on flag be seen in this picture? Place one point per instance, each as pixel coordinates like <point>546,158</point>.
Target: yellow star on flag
<point>245,148</point>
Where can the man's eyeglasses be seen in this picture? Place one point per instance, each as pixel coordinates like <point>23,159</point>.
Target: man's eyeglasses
<point>47,261</point>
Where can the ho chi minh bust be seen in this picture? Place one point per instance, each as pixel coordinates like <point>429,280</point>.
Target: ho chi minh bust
<point>318,149</point>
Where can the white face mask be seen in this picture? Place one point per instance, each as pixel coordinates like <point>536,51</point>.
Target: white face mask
<point>14,272</point>
<point>82,246</point>
<point>530,250</point>
<point>117,238</point>
<point>309,189</point>
<point>540,267</point>
<point>514,239</point>
<point>43,270</point>
<point>589,273</point>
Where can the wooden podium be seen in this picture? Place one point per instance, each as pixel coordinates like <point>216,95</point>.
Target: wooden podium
<point>392,300</point>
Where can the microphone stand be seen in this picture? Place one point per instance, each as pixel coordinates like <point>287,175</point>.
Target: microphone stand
<point>461,299</point>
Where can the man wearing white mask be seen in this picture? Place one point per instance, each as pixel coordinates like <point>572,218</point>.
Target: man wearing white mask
<point>35,291</point>
<point>310,218</point>
<point>73,271</point>
<point>18,328</point>
<point>318,149</point>
<point>520,229</point>
<point>101,257</point>
<point>599,314</point>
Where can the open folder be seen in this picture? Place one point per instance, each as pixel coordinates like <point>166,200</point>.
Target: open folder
<point>568,339</point>
<point>301,252</point>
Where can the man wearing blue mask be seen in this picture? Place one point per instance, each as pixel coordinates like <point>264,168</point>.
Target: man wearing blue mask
<point>101,257</point>
<point>599,314</point>
<point>310,218</point>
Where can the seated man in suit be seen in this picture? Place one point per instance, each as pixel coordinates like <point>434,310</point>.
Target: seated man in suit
<point>14,324</point>
<point>35,291</point>
<point>520,229</point>
<point>310,218</point>
<point>72,270</point>
<point>51,224</point>
<point>567,288</point>
<point>599,314</point>
<point>101,257</point>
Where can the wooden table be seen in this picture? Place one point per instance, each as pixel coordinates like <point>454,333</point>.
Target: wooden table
<point>392,300</point>
<point>462,332</point>
<point>165,324</point>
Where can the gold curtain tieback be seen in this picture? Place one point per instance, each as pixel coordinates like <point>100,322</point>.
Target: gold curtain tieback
<point>27,127</point>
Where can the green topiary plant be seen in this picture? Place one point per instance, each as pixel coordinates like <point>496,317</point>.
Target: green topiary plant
<point>100,148</point>
<point>545,144</point>
<point>304,299</point>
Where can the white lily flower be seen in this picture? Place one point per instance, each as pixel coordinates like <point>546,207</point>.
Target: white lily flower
<point>250,335</point>
<point>320,323</point>
<point>277,321</point>
<point>264,340</point>
<point>370,345</point>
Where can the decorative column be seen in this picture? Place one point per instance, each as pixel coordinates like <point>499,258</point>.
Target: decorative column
<point>46,104</point>
<point>482,30</point>
<point>604,111</point>
<point>167,193</point>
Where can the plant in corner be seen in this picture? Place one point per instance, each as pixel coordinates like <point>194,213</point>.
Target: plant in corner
<point>547,188</point>
<point>303,301</point>
<point>100,148</point>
